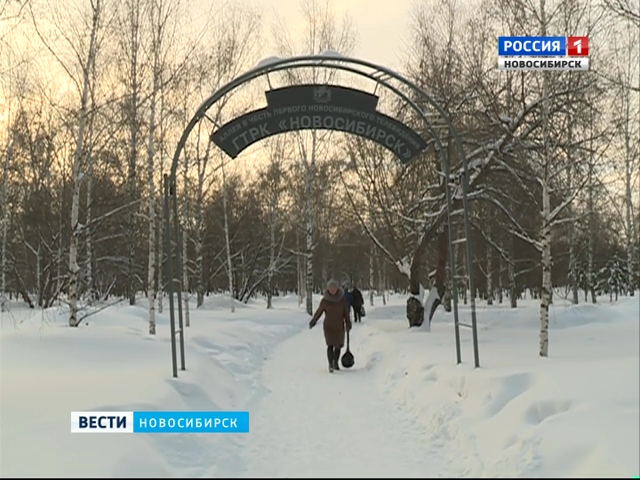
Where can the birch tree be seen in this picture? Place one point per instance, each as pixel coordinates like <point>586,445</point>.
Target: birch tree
<point>132,46</point>
<point>230,43</point>
<point>321,32</point>
<point>272,188</point>
<point>5,216</point>
<point>626,71</point>
<point>158,20</point>
<point>558,95</point>
<point>227,242</point>
<point>87,59</point>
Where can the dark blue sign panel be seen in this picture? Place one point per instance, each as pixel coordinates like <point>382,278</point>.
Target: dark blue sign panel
<point>321,107</point>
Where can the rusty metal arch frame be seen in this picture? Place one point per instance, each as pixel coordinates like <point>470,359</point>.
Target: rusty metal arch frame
<point>380,75</point>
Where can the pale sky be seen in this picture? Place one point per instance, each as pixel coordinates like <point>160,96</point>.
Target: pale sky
<point>381,25</point>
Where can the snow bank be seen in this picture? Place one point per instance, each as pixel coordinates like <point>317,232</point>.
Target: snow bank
<point>49,370</point>
<point>574,414</point>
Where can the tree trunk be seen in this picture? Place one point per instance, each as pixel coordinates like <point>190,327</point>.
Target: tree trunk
<point>200,229</point>
<point>5,223</point>
<point>89,236</point>
<point>151,291</point>
<point>159,259</point>
<point>511,272</point>
<point>199,241</point>
<point>299,281</point>
<point>185,277</point>
<point>226,239</point>
<point>272,254</point>
<point>372,260</point>
<point>545,297</point>
<point>134,92</point>
<point>573,268</point>
<point>591,283</point>
<point>500,278</point>
<point>631,230</point>
<point>309,221</point>
<point>489,268</point>
<point>546,271</point>
<point>76,228</point>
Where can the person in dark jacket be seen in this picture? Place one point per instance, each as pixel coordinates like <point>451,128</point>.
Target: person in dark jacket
<point>336,322</point>
<point>348,296</point>
<point>357,304</point>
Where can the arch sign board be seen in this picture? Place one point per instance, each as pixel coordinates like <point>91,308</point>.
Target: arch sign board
<point>321,107</point>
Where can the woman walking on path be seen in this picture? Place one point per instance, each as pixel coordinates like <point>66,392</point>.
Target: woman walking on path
<point>336,321</point>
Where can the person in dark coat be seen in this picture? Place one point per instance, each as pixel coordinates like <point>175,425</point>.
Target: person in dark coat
<point>348,296</point>
<point>336,321</point>
<point>357,304</point>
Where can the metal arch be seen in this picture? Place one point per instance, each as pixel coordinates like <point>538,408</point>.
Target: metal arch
<point>312,61</point>
<point>343,64</point>
<point>387,85</point>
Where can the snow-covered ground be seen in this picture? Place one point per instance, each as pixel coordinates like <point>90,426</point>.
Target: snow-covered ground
<point>405,409</point>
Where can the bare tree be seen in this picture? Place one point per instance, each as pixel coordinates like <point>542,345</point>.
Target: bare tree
<point>5,218</point>
<point>627,68</point>
<point>133,45</point>
<point>87,61</point>
<point>273,186</point>
<point>226,236</point>
<point>322,32</point>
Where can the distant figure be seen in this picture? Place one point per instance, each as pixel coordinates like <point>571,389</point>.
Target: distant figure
<point>348,296</point>
<point>336,320</point>
<point>357,304</point>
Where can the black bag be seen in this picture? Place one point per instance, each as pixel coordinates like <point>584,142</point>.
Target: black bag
<point>347,358</point>
<point>363,313</point>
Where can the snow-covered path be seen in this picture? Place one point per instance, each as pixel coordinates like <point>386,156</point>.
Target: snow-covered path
<point>319,424</point>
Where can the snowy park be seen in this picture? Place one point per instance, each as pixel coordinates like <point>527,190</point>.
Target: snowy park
<point>404,409</point>
<point>342,222</point>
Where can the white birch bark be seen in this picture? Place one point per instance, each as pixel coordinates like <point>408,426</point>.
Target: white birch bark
<point>5,222</point>
<point>545,237</point>
<point>272,249</point>
<point>310,164</point>
<point>88,235</point>
<point>489,268</point>
<point>156,46</point>
<point>591,278</point>
<point>198,240</point>
<point>159,208</point>
<point>299,269</point>
<point>545,297</point>
<point>134,130</point>
<point>226,238</point>
<point>160,257</point>
<point>76,228</point>
<point>573,274</point>
<point>630,163</point>
<point>500,278</point>
<point>372,260</point>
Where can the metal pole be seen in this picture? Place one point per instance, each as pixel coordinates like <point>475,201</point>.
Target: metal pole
<point>176,225</point>
<point>167,246</point>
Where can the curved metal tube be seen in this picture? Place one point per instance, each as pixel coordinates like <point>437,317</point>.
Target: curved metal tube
<point>306,61</point>
<point>348,64</point>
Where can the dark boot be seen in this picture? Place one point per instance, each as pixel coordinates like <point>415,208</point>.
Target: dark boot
<point>330,357</point>
<point>336,358</point>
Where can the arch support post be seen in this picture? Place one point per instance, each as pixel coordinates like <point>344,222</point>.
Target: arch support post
<point>179,273</point>
<point>168,255</point>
